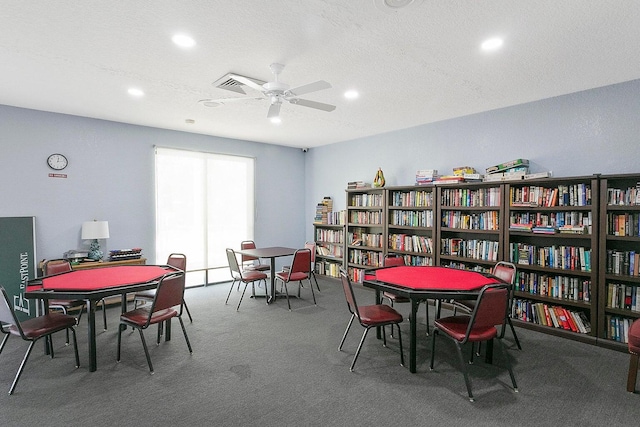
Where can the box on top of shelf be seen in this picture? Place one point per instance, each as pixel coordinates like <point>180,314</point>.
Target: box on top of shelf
<point>502,167</point>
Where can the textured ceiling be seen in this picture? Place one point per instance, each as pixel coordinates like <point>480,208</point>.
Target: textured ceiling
<point>411,66</point>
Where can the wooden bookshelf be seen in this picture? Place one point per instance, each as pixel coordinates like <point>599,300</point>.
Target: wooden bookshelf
<point>557,271</point>
<point>619,282</point>
<point>330,248</point>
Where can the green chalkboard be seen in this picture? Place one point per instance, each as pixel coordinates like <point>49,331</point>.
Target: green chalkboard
<point>18,261</point>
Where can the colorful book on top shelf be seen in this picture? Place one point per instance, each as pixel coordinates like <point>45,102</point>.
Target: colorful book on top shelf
<point>544,230</point>
<point>572,229</point>
<point>449,179</point>
<point>507,165</point>
<point>520,227</point>
<point>426,176</point>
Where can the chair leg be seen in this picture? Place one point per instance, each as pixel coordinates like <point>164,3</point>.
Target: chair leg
<point>75,347</point>
<point>355,357</point>
<point>631,377</point>
<point>146,350</point>
<point>21,368</point>
<point>515,336</point>
<point>400,342</point>
<point>229,294</point>
<point>433,348</point>
<point>312,292</point>
<point>104,313</point>
<point>242,296</point>
<point>508,363</point>
<point>463,367</point>
<point>184,303</point>
<point>4,340</point>
<point>344,336</point>
<point>186,337</point>
<point>287,293</point>
<point>426,311</point>
<point>315,280</point>
<point>120,341</point>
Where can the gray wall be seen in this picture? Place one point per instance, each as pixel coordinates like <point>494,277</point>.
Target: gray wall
<point>595,131</point>
<point>111,177</point>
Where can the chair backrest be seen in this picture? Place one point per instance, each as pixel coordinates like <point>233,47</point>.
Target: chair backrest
<point>247,244</point>
<point>170,293</point>
<point>301,261</point>
<point>7,315</point>
<point>348,293</point>
<point>491,308</point>
<point>505,271</point>
<point>233,264</point>
<point>56,266</point>
<point>312,247</point>
<point>393,261</point>
<point>178,261</point>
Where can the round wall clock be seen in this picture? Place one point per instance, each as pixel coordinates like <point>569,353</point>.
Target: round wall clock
<point>57,161</point>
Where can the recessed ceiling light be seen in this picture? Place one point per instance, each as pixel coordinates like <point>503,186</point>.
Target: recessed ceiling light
<point>276,120</point>
<point>351,94</point>
<point>135,92</point>
<point>189,121</point>
<point>492,44</point>
<point>183,40</point>
<point>391,6</point>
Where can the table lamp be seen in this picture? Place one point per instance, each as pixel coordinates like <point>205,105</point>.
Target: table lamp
<point>94,230</point>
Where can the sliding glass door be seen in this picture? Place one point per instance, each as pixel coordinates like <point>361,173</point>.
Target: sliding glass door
<point>204,204</point>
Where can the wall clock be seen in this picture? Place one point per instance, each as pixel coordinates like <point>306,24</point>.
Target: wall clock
<point>57,161</point>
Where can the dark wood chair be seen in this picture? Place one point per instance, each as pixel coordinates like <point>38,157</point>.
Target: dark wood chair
<point>168,303</point>
<point>491,309</point>
<point>242,276</point>
<point>634,355</point>
<point>300,270</point>
<point>369,316</point>
<point>32,330</point>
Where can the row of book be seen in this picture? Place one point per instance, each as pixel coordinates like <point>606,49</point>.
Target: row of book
<point>426,176</point>
<point>623,262</point>
<point>629,196</point>
<point>413,198</point>
<point>554,219</point>
<point>417,260</point>
<point>411,243</point>
<point>470,221</point>
<point>334,251</point>
<point>471,197</point>
<point>330,269</point>
<point>465,266</point>
<point>361,238</point>
<point>366,200</point>
<point>626,297</point>
<point>365,257</point>
<point>562,195</point>
<point>617,328</point>
<point>365,217</point>
<point>411,218</point>
<point>485,250</point>
<point>550,315</point>
<point>554,286</point>
<point>329,236</point>
<point>337,217</point>
<point>623,224</point>
<point>556,256</point>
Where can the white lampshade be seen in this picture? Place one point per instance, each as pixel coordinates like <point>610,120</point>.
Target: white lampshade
<point>95,230</point>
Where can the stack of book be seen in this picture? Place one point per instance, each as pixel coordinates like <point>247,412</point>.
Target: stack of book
<point>542,229</point>
<point>322,211</point>
<point>352,185</point>
<point>513,170</point>
<point>426,176</point>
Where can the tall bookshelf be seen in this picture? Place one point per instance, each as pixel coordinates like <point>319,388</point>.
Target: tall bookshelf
<point>410,215</point>
<point>469,232</point>
<point>329,239</point>
<point>365,230</point>
<point>553,239</point>
<point>619,281</point>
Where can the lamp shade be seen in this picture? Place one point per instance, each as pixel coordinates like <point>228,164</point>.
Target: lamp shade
<point>95,230</point>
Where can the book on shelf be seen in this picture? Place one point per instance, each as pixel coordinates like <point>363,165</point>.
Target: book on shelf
<point>462,170</point>
<point>426,176</point>
<point>572,229</point>
<point>538,175</point>
<point>507,165</point>
<point>520,227</point>
<point>449,179</point>
<point>352,185</point>
<point>504,176</point>
<point>473,177</point>
<point>544,229</point>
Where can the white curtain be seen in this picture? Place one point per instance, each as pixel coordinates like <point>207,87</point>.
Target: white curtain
<point>204,204</point>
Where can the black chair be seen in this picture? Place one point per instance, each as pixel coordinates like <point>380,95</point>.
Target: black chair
<point>176,260</point>
<point>242,276</point>
<point>300,270</point>
<point>32,330</point>
<point>491,309</point>
<point>167,304</point>
<point>369,316</point>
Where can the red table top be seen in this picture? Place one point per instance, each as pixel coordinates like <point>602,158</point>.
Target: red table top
<point>101,278</point>
<point>434,278</point>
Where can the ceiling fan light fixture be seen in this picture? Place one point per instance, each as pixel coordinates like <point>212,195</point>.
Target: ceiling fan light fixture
<point>351,94</point>
<point>276,120</point>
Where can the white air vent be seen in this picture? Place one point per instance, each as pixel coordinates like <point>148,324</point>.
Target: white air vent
<point>226,82</point>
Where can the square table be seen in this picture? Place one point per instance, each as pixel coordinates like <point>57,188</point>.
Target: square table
<point>421,283</point>
<point>93,285</point>
<point>271,253</point>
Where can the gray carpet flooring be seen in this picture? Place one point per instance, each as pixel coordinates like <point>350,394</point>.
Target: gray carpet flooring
<point>268,366</point>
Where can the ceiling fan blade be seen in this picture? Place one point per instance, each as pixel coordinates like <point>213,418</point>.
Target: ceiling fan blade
<point>308,88</point>
<point>274,110</point>
<point>312,104</point>
<point>247,82</point>
<point>216,102</point>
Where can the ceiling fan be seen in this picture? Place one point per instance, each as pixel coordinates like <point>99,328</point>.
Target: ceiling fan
<point>277,93</point>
